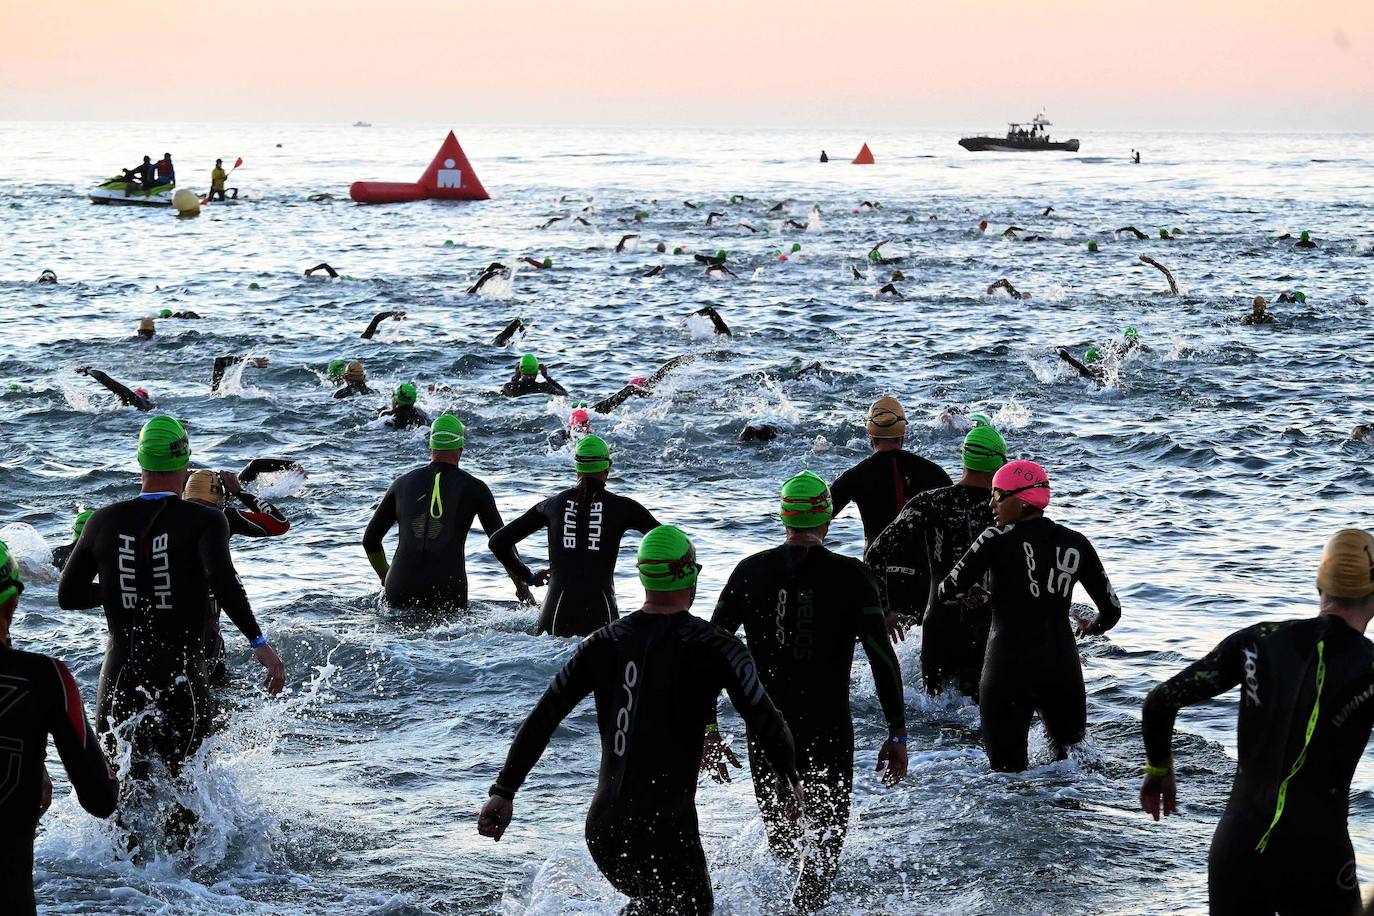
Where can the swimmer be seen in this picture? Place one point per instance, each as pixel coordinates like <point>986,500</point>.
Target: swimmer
<point>760,433</point>
<point>333,274</point>
<point>537,263</point>
<point>870,205</point>
<point>876,255</point>
<point>1048,211</point>
<point>854,272</point>
<point>188,315</point>
<point>1168,275</point>
<point>354,381</point>
<point>579,425</point>
<point>1136,158</point>
<point>1131,342</point>
<point>62,552</point>
<point>585,525</point>
<point>889,289</point>
<point>378,319</point>
<point>804,661</point>
<point>712,217</point>
<point>318,198</point>
<point>160,552</point>
<point>625,240</point>
<point>748,226</point>
<point>490,272</point>
<point>222,364</point>
<point>47,276</point>
<point>1166,236</point>
<point>1306,705</point>
<point>1293,297</point>
<point>1005,284</point>
<point>778,207</point>
<point>933,532</point>
<point>716,271</point>
<point>403,414</point>
<point>824,157</point>
<point>1363,433</point>
<point>516,326</point>
<point>793,224</point>
<point>898,275</point>
<point>526,379</point>
<point>1032,661</point>
<point>654,675</point>
<point>1259,313</point>
<point>128,397</point>
<point>1090,368</point>
<point>883,482</point>
<point>147,329</point>
<point>1132,230</point>
<point>41,699</point>
<point>653,271</point>
<point>1011,233</point>
<point>718,325</point>
<point>432,508</point>
<point>1305,241</point>
<point>641,387</point>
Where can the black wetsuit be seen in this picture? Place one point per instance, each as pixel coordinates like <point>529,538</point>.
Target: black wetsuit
<point>930,535</point>
<point>656,678</point>
<point>428,569</point>
<point>38,697</point>
<point>347,389</point>
<point>1299,675</point>
<point>405,416</point>
<point>158,560</point>
<point>802,609</point>
<point>127,396</point>
<point>1032,659</point>
<point>257,519</point>
<point>584,542</point>
<point>882,483</point>
<point>606,405</point>
<point>530,384</point>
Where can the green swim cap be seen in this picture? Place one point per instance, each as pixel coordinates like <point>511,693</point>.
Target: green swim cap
<point>1092,355</point>
<point>448,243</point>
<point>1300,296</point>
<point>667,561</point>
<point>253,285</point>
<point>529,364</point>
<point>405,394</point>
<point>592,455</point>
<point>548,262</point>
<point>796,246</point>
<point>336,369</point>
<point>11,583</point>
<point>82,518</point>
<point>447,433</point>
<point>984,447</point>
<point>163,445</point>
<point>1132,334</point>
<point>1092,246</point>
<point>722,253</point>
<point>165,313</point>
<point>677,250</point>
<point>805,502</point>
<point>1305,236</point>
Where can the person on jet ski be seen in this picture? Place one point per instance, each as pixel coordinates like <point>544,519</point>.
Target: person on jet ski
<point>140,177</point>
<point>165,173</point>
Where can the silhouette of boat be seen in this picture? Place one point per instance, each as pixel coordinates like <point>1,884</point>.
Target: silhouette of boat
<point>1020,138</point>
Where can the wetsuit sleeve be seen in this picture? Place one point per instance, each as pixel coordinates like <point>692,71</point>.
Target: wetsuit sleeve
<point>383,518</point>
<point>766,725</point>
<point>1094,579</point>
<point>377,319</point>
<point>487,513</point>
<point>573,683</point>
<point>887,671</point>
<point>906,527</point>
<point>77,745</point>
<point>615,400</point>
<point>222,364</point>
<point>971,567</point>
<point>125,394</point>
<point>503,542</point>
<point>552,387</point>
<point>842,493</point>
<point>224,579</point>
<point>77,589</point>
<point>1217,672</point>
<point>731,605</point>
<point>641,519</point>
<point>258,519</point>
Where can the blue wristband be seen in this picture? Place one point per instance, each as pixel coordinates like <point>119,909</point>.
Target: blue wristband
<point>898,739</point>
<point>258,641</point>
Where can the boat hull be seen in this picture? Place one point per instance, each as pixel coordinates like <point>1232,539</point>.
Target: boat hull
<point>1004,145</point>
<point>113,192</point>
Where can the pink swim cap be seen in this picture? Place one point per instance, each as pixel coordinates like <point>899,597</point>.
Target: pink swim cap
<point>639,380</point>
<point>579,419</point>
<point>1025,480</point>
<point>141,392</point>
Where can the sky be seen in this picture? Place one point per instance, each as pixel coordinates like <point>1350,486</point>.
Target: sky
<point>1184,64</point>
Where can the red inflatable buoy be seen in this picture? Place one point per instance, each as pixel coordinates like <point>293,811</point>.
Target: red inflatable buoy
<point>449,177</point>
<point>865,156</point>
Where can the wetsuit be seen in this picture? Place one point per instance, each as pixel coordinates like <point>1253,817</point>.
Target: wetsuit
<point>405,416</point>
<point>1306,707</point>
<point>126,396</point>
<point>1032,660</point>
<point>655,678</point>
<point>882,483</point>
<point>802,609</point>
<point>38,697</point>
<point>222,364</point>
<point>348,389</point>
<point>530,384</point>
<point>257,519</point>
<point>606,405</point>
<point>433,508</point>
<point>585,526</point>
<point>377,319</point>
<point>932,533</point>
<point>158,558</point>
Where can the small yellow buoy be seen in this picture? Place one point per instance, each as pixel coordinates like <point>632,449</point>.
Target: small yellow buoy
<point>186,202</point>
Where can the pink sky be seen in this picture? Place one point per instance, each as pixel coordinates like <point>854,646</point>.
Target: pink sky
<point>897,63</point>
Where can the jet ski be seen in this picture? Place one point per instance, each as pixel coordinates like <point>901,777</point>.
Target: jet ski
<point>116,191</point>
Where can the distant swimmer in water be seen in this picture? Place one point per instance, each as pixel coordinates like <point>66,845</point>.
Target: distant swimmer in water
<point>1048,211</point>
<point>1032,660</point>
<point>870,205</point>
<point>1131,342</point>
<point>1293,297</point>
<point>354,381</point>
<point>526,379</point>
<point>491,272</point>
<point>1168,274</point>
<point>1305,710</point>
<point>222,364</point>
<point>47,276</point>
<point>147,330</point>
<point>318,198</point>
<point>716,271</point>
<point>1132,230</point>
<point>1012,233</point>
<point>718,324</point>
<point>579,425</point>
<point>655,675</point>
<point>537,263</point>
<point>1363,433</point>
<point>1305,241</point>
<point>625,241</point>
<point>653,271</point>
<point>61,552</point>
<point>641,387</point>
<point>188,314</point>
<point>803,609</point>
<point>713,216</point>
<point>1005,285</point>
<point>516,326</point>
<point>403,414</point>
<point>933,532</point>
<point>333,274</point>
<point>824,157</point>
<point>1259,313</point>
<point>41,699</point>
<point>1090,367</point>
<point>889,289</point>
<point>585,525</point>
<point>378,318</point>
<point>432,508</point>
<point>128,397</point>
<point>793,224</point>
<point>760,433</point>
<point>876,256</point>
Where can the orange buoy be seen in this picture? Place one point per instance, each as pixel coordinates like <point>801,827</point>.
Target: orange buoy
<point>865,156</point>
<point>449,177</point>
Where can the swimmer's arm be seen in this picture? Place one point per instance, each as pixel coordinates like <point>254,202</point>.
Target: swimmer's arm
<point>971,567</point>
<point>568,689</point>
<point>882,659</point>
<point>224,579</point>
<point>261,520</point>
<point>1094,579</point>
<point>552,387</point>
<point>503,542</point>
<point>761,717</point>
<point>611,403</point>
<point>96,787</point>
<point>126,395</point>
<point>641,519</point>
<point>333,274</point>
<point>77,589</point>
<point>1217,672</point>
<point>377,319</point>
<point>383,518</point>
<point>669,366</point>
<point>1069,358</point>
<point>222,364</point>
<point>841,493</point>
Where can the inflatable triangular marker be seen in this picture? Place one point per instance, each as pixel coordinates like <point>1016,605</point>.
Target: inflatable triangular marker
<point>450,175</point>
<point>865,156</point>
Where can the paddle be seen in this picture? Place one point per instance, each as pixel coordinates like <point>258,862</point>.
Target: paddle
<point>237,162</point>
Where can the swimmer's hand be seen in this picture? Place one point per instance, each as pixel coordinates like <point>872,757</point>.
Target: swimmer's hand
<point>231,482</point>
<point>541,578</point>
<point>83,370</point>
<point>715,754</point>
<point>1082,622</point>
<point>977,597</point>
<point>1159,795</point>
<point>895,631</point>
<point>494,817</point>
<point>45,799</point>
<point>893,755</point>
<point>276,669</point>
<point>523,594</point>
<point>257,362</point>
<point>793,800</point>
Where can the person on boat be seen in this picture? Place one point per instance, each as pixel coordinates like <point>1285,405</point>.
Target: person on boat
<point>217,179</point>
<point>140,177</point>
<point>164,173</point>
<point>1259,313</point>
<point>128,397</point>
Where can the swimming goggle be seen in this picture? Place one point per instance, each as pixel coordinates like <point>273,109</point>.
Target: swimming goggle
<point>998,494</point>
